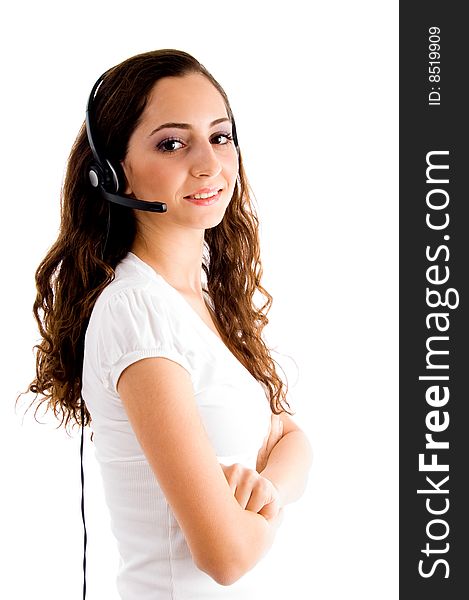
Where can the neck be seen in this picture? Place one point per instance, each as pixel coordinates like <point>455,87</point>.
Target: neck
<point>175,253</point>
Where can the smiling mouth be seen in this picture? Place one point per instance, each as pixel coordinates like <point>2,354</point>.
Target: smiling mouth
<point>203,196</point>
<point>201,201</point>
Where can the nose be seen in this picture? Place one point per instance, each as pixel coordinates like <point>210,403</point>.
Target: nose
<point>205,162</point>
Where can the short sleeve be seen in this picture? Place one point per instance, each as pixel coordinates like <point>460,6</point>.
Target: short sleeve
<point>136,324</point>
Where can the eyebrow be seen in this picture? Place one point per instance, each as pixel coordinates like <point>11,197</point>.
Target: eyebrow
<point>186,125</point>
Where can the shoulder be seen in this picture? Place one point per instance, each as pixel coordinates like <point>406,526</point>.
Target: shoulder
<point>136,298</point>
<point>133,318</point>
<point>132,279</point>
<point>137,293</point>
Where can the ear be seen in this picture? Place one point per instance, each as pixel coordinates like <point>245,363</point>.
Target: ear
<point>127,178</point>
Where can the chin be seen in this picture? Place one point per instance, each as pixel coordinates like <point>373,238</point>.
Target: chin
<point>209,223</point>
<point>210,218</point>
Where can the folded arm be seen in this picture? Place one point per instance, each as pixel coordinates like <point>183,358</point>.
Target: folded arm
<point>224,540</point>
<point>282,467</point>
<point>288,464</point>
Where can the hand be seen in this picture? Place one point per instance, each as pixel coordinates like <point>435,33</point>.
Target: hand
<point>272,438</point>
<point>252,491</point>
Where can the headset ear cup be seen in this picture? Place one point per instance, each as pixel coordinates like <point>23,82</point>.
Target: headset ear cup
<point>119,177</point>
<point>111,179</point>
<point>95,175</point>
<point>105,178</point>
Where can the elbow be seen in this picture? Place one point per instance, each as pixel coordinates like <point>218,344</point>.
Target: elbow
<point>224,573</point>
<point>231,557</point>
<point>227,577</point>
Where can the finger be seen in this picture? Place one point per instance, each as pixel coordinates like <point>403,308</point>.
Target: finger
<point>232,483</point>
<point>244,490</point>
<point>280,434</point>
<point>261,461</point>
<point>279,427</point>
<point>276,422</point>
<point>233,474</point>
<point>256,503</point>
<point>275,433</point>
<point>270,511</point>
<point>260,496</point>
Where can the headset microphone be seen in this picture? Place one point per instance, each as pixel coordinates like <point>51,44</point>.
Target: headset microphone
<point>103,175</point>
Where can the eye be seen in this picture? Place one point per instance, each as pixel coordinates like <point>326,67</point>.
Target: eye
<point>228,137</point>
<point>167,146</point>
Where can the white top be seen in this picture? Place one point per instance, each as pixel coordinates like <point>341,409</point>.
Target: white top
<point>140,315</point>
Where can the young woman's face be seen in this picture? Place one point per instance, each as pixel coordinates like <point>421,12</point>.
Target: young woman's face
<point>181,147</point>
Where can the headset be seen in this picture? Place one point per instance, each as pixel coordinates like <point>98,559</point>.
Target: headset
<point>109,180</point>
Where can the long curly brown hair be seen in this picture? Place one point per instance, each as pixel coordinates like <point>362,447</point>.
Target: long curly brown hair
<point>95,236</point>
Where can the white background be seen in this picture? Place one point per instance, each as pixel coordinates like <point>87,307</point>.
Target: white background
<point>313,87</point>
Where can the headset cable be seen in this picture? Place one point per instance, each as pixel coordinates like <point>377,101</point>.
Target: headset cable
<point>83,498</point>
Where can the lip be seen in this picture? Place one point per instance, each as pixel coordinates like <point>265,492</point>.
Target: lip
<point>204,201</point>
<point>205,190</point>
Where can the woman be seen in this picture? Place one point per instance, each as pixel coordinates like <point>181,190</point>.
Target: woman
<point>151,319</point>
